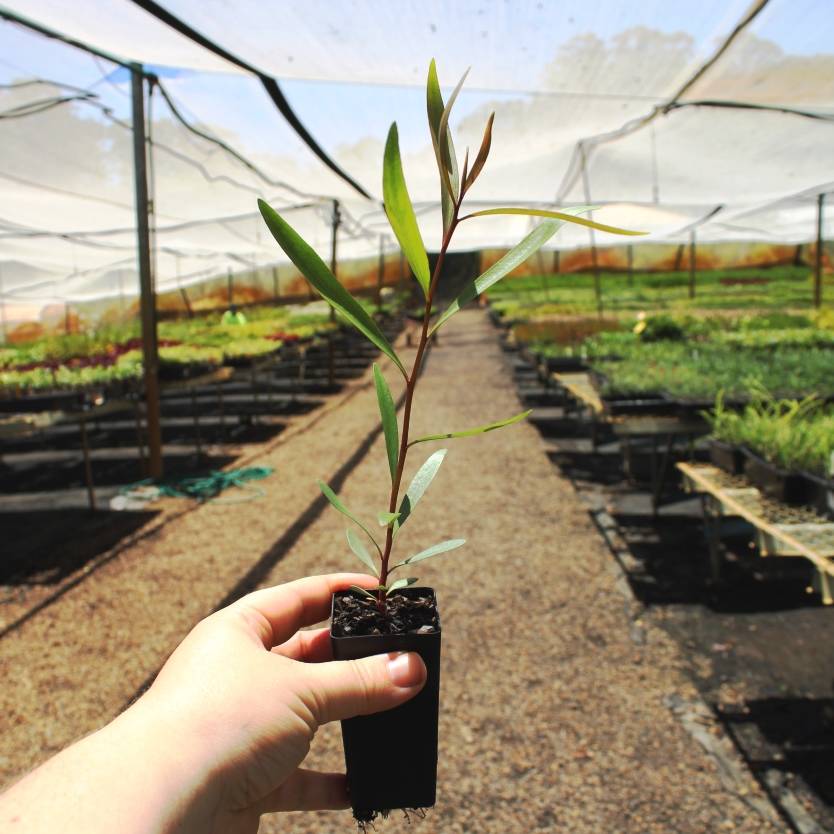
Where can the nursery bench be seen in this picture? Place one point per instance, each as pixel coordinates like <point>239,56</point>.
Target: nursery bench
<point>664,431</point>
<point>779,530</point>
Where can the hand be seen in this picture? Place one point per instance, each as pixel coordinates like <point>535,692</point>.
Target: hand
<point>219,737</point>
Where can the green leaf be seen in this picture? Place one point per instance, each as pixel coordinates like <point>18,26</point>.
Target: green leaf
<point>435,550</point>
<point>364,591</point>
<point>400,211</point>
<point>358,547</point>
<point>479,430</point>
<point>517,255</point>
<point>444,140</point>
<point>556,215</point>
<point>483,153</point>
<point>401,583</point>
<point>338,505</point>
<point>313,268</point>
<point>419,484</point>
<point>386,518</point>
<point>389,419</point>
<point>446,159</point>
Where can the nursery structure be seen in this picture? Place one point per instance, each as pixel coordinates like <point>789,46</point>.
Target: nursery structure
<point>670,528</point>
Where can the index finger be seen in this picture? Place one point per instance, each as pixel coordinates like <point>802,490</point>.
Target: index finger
<point>284,609</point>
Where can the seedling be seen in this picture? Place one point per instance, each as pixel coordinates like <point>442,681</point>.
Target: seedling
<point>454,185</point>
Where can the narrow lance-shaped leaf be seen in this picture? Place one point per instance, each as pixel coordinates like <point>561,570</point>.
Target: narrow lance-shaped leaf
<point>363,591</point>
<point>446,160</point>
<point>471,432</point>
<point>483,153</point>
<point>338,505</point>
<point>556,215</point>
<point>313,268</point>
<point>419,484</point>
<point>516,256</point>
<point>401,583</point>
<point>389,419</point>
<point>358,547</point>
<point>444,141</point>
<point>434,550</point>
<point>400,211</point>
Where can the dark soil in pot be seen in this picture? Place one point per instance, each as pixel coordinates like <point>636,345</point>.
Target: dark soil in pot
<point>404,774</point>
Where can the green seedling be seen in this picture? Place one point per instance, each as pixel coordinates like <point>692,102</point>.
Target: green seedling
<point>455,182</point>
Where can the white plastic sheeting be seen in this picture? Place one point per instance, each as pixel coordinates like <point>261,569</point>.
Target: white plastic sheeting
<point>580,93</point>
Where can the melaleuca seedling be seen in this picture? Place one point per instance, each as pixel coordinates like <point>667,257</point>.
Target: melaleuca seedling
<point>454,185</point>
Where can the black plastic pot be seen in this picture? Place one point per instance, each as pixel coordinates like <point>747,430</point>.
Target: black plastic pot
<point>821,494</point>
<point>650,403</point>
<point>391,756</point>
<point>726,456</point>
<point>555,364</point>
<point>774,482</point>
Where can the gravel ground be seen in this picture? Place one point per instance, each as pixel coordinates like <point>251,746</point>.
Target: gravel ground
<point>553,718</point>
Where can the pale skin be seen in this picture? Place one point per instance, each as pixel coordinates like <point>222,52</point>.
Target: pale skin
<point>219,738</point>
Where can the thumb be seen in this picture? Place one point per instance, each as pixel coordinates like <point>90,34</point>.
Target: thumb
<point>345,688</point>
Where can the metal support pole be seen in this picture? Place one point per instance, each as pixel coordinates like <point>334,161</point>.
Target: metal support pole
<point>88,466</point>
<point>230,288</point>
<point>331,348</point>
<point>692,263</point>
<point>818,259</point>
<point>4,333</point>
<point>594,262</point>
<point>147,295</point>
<point>276,284</point>
<point>380,273</point>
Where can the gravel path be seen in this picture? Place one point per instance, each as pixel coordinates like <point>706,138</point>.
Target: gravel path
<point>553,718</point>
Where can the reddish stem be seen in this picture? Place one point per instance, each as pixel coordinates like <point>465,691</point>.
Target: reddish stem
<point>410,385</point>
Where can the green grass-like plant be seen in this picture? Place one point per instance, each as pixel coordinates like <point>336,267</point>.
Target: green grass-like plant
<point>797,435</point>
<point>455,182</point>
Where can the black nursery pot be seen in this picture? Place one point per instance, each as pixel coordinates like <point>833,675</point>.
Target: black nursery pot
<point>726,456</point>
<point>774,482</point>
<point>391,756</point>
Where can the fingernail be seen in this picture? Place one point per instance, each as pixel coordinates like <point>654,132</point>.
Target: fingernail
<point>406,669</point>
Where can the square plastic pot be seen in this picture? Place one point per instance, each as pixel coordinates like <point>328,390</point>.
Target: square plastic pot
<point>391,756</point>
<point>726,456</point>
<point>776,483</point>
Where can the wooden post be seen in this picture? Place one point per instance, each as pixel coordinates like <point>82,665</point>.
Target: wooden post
<point>692,263</point>
<point>147,295</point>
<point>818,259</point>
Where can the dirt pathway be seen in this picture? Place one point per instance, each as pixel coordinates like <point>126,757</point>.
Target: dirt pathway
<point>553,718</point>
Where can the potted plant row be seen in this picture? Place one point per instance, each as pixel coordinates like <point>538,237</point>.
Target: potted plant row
<point>396,614</point>
<point>783,447</point>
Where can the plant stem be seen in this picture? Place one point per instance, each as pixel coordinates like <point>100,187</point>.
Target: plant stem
<point>410,385</point>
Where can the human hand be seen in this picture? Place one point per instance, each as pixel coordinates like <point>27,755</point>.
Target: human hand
<point>244,693</point>
<point>218,738</point>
